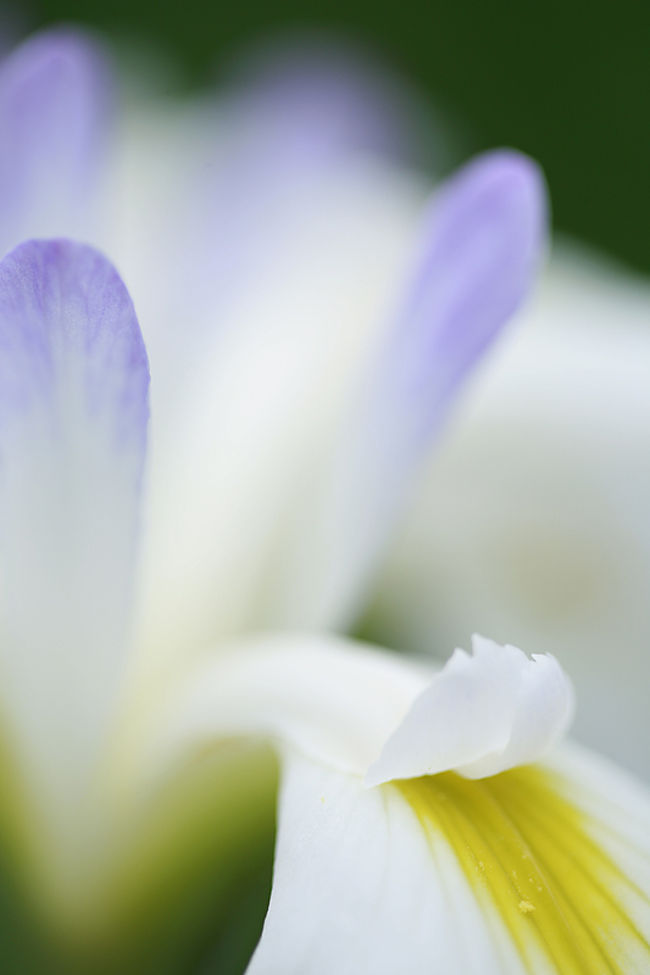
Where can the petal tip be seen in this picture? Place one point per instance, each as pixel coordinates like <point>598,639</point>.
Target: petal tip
<point>509,178</point>
<point>62,49</point>
<point>58,293</point>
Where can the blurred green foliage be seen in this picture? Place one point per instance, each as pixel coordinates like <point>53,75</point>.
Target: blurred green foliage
<point>188,885</point>
<point>565,80</point>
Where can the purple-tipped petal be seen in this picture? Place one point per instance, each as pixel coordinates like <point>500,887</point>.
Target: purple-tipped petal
<point>327,99</point>
<point>480,253</point>
<point>295,124</point>
<point>69,337</point>
<point>54,103</point>
<point>73,416</point>
<point>477,259</point>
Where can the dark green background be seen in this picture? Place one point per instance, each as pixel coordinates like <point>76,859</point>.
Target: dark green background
<point>568,82</point>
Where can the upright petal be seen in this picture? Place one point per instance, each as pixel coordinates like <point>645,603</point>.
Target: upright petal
<point>294,124</point>
<point>478,257</point>
<point>53,108</point>
<point>297,119</point>
<point>251,400</point>
<point>73,417</point>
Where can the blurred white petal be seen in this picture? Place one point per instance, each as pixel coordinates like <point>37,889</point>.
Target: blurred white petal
<point>474,263</point>
<point>73,419</point>
<point>335,700</point>
<point>259,407</point>
<point>54,119</point>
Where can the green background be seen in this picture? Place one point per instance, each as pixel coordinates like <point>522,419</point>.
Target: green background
<point>568,82</point>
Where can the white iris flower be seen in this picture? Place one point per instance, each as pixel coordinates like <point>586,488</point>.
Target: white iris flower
<point>425,821</point>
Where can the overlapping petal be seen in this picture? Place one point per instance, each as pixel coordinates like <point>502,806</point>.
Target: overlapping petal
<point>267,392</point>
<point>259,399</point>
<point>336,700</point>
<point>54,107</point>
<point>479,252</point>
<point>73,418</point>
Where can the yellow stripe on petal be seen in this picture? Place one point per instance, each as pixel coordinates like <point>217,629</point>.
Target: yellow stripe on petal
<point>531,855</point>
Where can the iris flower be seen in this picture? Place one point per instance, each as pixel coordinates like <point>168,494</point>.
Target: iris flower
<point>166,621</point>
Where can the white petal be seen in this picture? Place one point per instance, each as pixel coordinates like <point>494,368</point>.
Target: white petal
<point>474,263</point>
<point>73,420</point>
<point>331,699</point>
<point>480,715</point>
<point>292,243</point>
<point>366,711</point>
<point>534,871</point>
<point>359,888</point>
<point>258,408</point>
